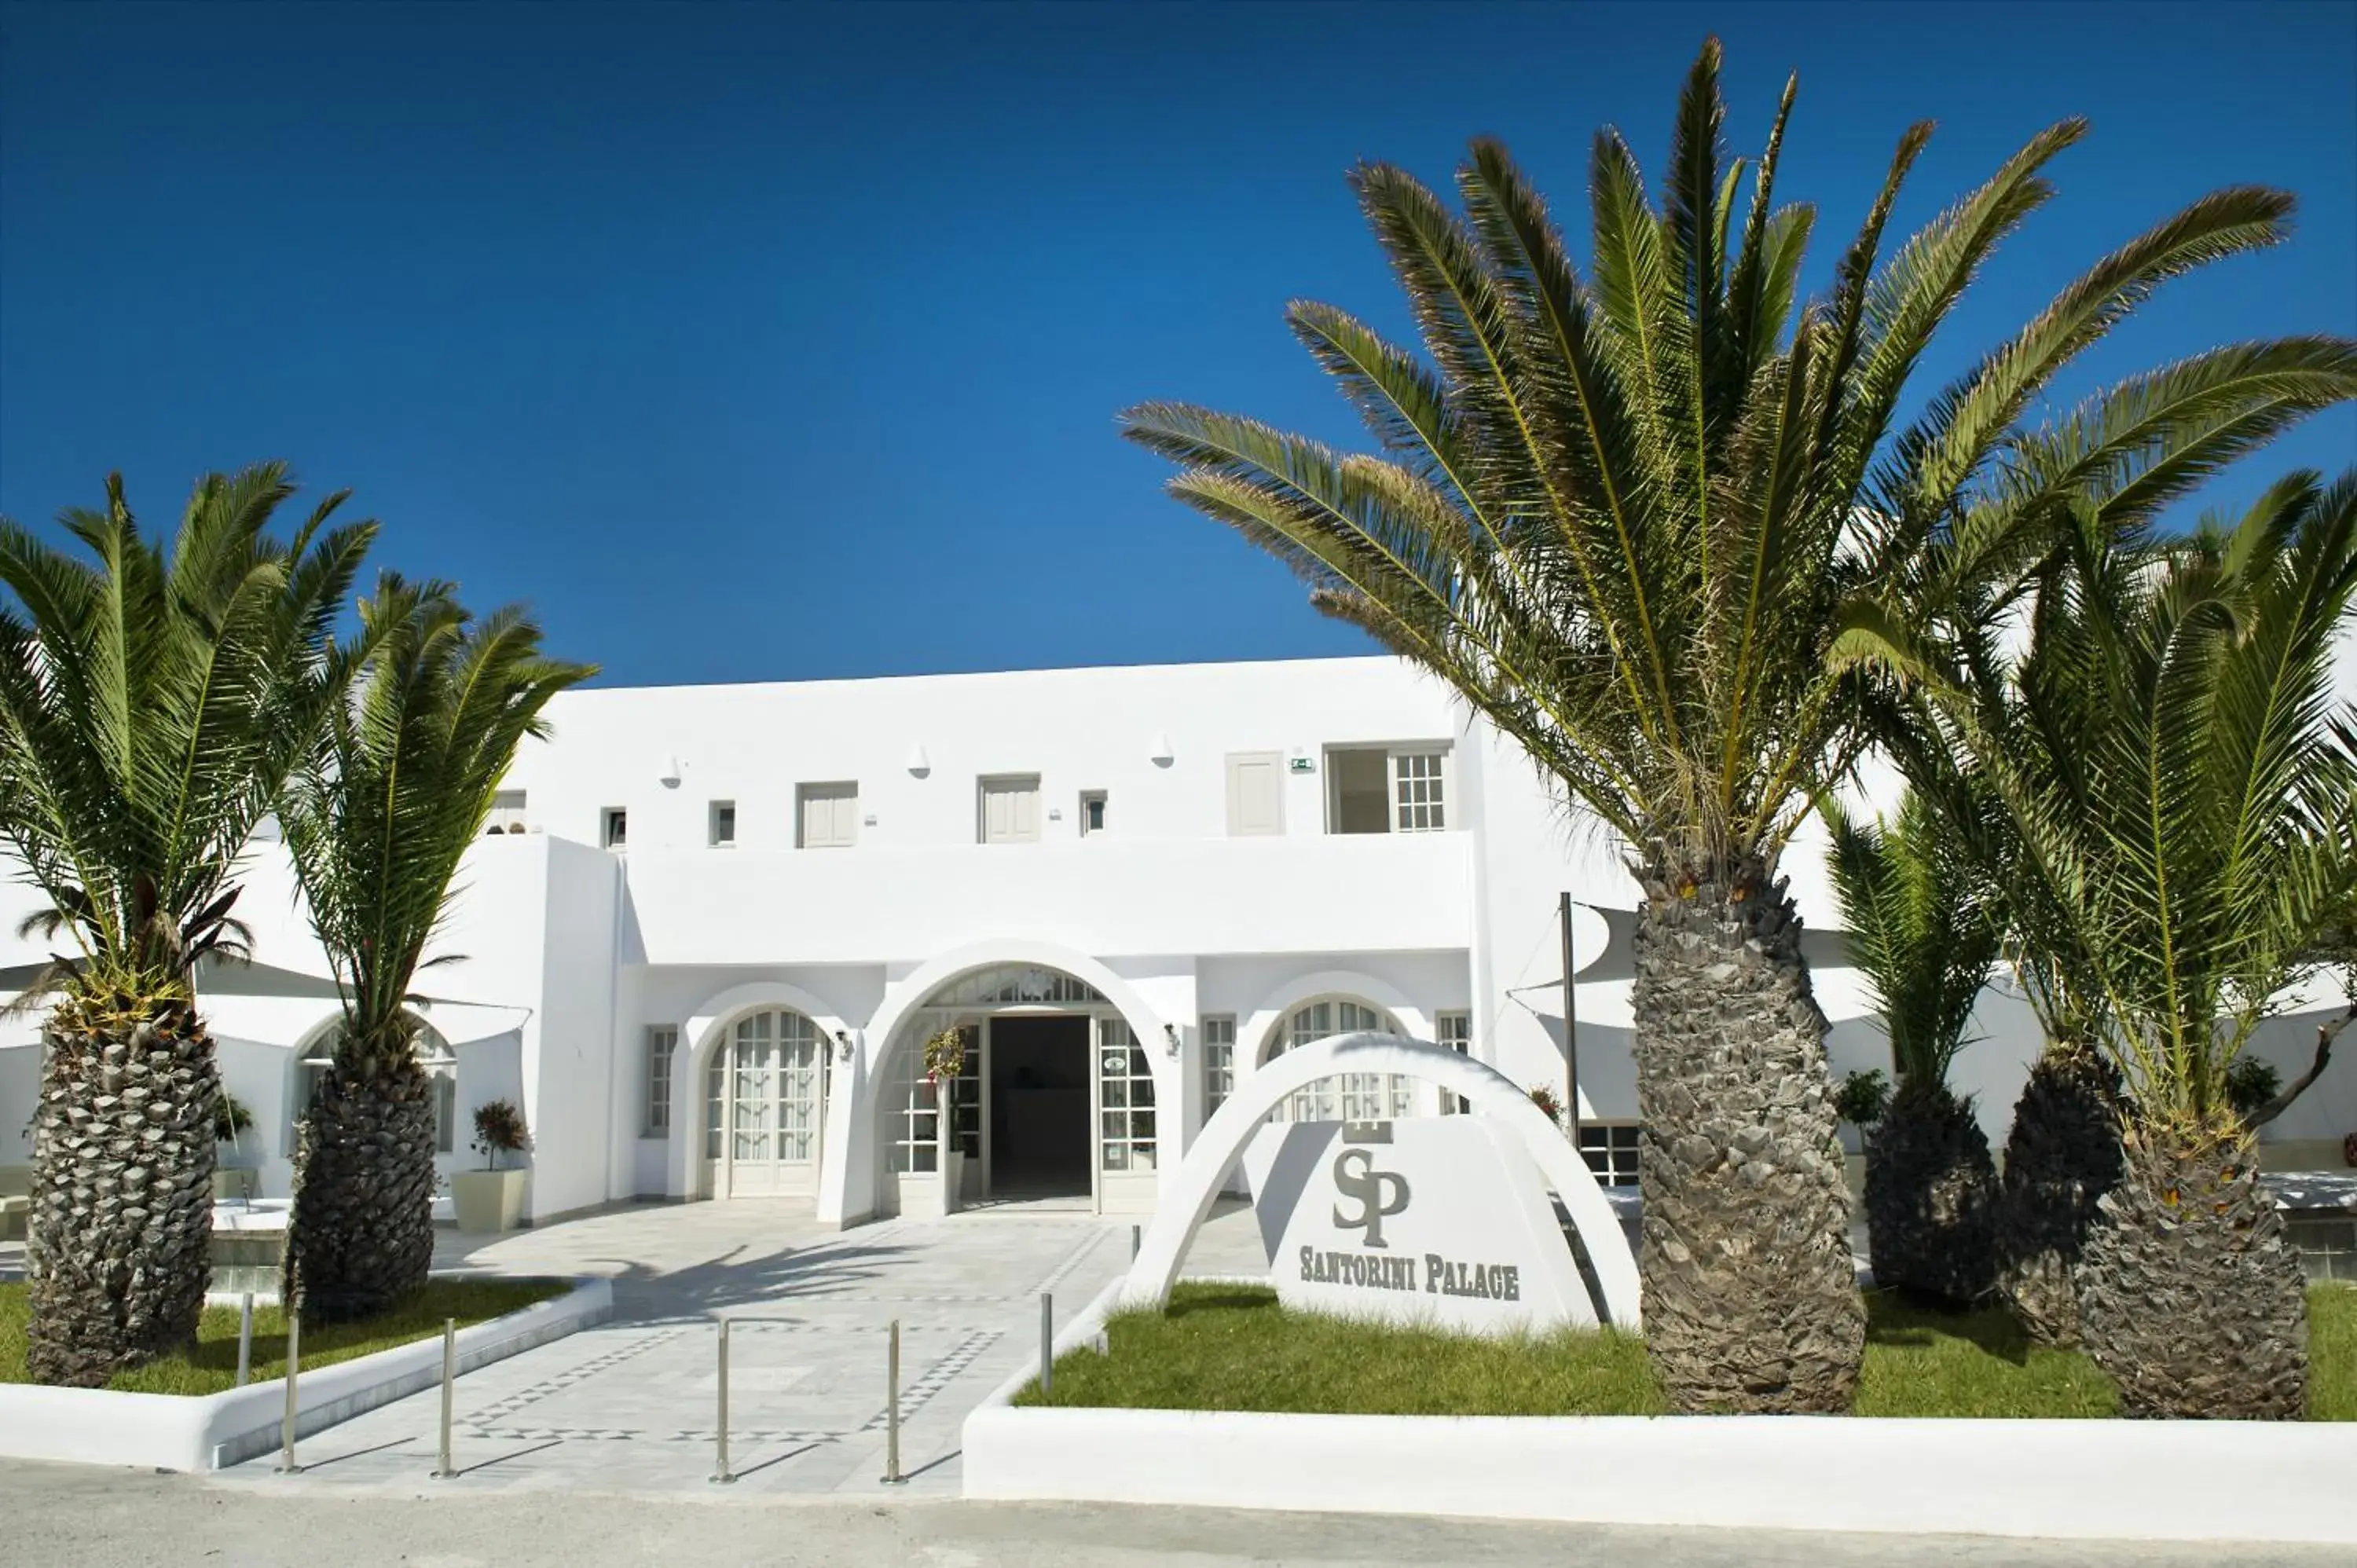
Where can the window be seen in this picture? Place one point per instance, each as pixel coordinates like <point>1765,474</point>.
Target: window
<point>661,1043</point>
<point>507,811</point>
<point>1611,1150</point>
<point>723,824</point>
<point>1009,810</point>
<point>1386,790</point>
<point>826,816</point>
<point>1256,794</point>
<point>915,1118</point>
<point>617,830</point>
<point>1350,1096</point>
<point>1219,1061</point>
<point>1093,812</point>
<point>1125,1099</point>
<point>1455,1030</point>
<point>2325,1243</point>
<point>1416,792</point>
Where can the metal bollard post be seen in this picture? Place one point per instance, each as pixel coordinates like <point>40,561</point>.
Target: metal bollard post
<point>892,1476</point>
<point>1047,1340</point>
<point>244,1339</point>
<point>1132,1242</point>
<point>720,1471</point>
<point>449,1378</point>
<point>287,1465</point>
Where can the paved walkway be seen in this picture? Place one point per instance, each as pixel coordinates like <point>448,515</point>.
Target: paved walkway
<point>631,1405</point>
<point>58,1515</point>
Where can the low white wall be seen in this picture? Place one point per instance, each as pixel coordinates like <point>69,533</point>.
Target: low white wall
<point>2089,1479</point>
<point>171,1432</point>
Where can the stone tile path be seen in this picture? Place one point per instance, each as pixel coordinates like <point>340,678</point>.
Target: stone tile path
<point>631,1405</point>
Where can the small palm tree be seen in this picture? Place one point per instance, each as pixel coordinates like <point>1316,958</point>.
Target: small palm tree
<point>1634,516</point>
<point>150,710</point>
<point>378,820</point>
<point>1924,931</point>
<point>2187,850</point>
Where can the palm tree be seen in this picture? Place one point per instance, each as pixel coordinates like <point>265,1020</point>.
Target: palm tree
<point>2207,872</point>
<point>2187,851</point>
<point>1923,928</point>
<point>150,710</point>
<point>1630,516</point>
<point>378,820</point>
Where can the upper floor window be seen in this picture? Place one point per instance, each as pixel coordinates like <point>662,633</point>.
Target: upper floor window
<point>723,824</point>
<point>826,816</point>
<point>507,811</point>
<point>1093,812</point>
<point>1009,810</point>
<point>1386,790</point>
<point>615,831</point>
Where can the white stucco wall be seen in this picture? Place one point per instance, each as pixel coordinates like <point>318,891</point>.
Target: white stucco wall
<point>568,954</point>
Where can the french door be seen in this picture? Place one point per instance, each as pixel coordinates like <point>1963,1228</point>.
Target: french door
<point>765,1108</point>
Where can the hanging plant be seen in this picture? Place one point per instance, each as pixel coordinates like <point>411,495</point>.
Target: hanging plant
<point>945,1055</point>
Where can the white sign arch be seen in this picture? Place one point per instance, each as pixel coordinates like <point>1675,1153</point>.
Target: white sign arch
<point>1187,1198</point>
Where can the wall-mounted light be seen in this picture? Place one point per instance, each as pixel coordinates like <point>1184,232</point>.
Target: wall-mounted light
<point>842,1046</point>
<point>1158,750</point>
<point>918,764</point>
<point>669,777</point>
<point>1170,1041</point>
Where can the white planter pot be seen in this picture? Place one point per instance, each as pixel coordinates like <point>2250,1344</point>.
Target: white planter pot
<point>487,1201</point>
<point>953,1181</point>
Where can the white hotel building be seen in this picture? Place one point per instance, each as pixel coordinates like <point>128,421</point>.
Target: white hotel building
<point>714,926</point>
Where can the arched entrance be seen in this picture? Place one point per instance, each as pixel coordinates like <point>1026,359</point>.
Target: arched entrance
<point>1054,1105</point>
<point>763,1127</point>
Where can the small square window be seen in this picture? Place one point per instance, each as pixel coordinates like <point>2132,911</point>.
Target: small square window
<point>1093,812</point>
<point>617,830</point>
<point>723,824</point>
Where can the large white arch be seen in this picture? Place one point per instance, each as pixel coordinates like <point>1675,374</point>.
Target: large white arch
<point>702,1035</point>
<point>851,1193</point>
<point>1188,1200</point>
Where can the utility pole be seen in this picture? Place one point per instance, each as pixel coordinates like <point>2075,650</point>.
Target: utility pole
<point>1570,1027</point>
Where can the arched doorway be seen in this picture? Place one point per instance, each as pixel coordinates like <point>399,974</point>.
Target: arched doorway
<point>1347,1097</point>
<point>764,1122</point>
<point>1054,1104</point>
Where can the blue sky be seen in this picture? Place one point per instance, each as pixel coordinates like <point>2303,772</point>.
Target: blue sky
<point>770,342</point>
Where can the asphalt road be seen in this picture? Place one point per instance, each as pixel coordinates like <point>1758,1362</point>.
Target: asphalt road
<point>73,1516</point>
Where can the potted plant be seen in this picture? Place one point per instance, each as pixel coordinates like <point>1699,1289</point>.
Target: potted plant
<point>233,1172</point>
<point>944,1060</point>
<point>1860,1101</point>
<point>491,1199</point>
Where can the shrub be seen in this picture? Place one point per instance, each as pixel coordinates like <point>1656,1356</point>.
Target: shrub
<point>1863,1097</point>
<point>2251,1082</point>
<point>499,1130</point>
<point>1544,1098</point>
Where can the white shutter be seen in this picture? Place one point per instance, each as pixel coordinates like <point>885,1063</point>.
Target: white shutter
<point>830,816</point>
<point>1256,793</point>
<point>1010,809</point>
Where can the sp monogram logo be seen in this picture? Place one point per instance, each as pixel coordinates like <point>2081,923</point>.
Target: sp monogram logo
<point>1380,1194</point>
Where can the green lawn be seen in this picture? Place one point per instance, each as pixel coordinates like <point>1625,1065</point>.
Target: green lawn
<point>212,1367</point>
<point>1232,1348</point>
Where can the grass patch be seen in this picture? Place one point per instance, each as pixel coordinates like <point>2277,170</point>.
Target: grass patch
<point>1226,1346</point>
<point>210,1367</point>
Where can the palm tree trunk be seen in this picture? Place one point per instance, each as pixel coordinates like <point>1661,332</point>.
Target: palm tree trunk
<point>2061,1157</point>
<point>119,1246</point>
<point>2188,1295</point>
<point>361,1236</point>
<point>1750,1297</point>
<point>1931,1198</point>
